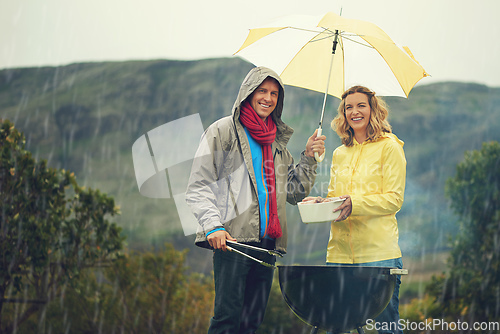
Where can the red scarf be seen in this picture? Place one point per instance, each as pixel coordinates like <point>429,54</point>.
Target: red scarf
<point>264,134</point>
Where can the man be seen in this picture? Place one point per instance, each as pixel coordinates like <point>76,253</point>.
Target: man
<point>241,179</point>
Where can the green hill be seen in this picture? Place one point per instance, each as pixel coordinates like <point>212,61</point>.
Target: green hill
<point>85,117</point>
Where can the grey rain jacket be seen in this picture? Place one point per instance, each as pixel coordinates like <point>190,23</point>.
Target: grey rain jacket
<point>222,189</point>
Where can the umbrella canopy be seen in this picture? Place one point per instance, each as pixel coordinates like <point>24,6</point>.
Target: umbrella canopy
<point>299,49</point>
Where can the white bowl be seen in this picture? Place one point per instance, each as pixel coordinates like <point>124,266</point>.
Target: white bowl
<point>319,212</point>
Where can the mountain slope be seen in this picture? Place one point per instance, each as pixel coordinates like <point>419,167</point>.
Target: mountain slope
<point>85,117</point>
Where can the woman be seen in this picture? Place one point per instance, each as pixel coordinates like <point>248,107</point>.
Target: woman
<point>369,171</point>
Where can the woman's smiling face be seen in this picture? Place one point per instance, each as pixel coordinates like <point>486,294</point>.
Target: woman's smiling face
<point>357,113</point>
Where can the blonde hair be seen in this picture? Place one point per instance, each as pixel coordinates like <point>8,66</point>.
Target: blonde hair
<point>377,124</point>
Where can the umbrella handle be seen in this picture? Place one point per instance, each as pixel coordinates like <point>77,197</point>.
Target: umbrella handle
<point>316,155</point>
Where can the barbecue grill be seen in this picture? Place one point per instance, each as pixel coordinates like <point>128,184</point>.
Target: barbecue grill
<point>337,298</point>
<point>333,298</point>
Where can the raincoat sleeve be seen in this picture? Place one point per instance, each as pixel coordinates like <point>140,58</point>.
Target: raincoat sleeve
<point>301,178</point>
<point>390,200</point>
<point>203,185</point>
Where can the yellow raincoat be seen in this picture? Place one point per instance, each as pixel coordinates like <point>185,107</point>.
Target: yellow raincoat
<point>374,175</point>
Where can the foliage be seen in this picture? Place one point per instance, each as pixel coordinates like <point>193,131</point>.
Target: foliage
<point>471,290</point>
<point>51,229</point>
<point>149,291</point>
<point>279,317</point>
<point>418,312</point>
<point>139,293</point>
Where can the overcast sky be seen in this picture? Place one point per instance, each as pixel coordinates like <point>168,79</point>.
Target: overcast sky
<point>452,39</point>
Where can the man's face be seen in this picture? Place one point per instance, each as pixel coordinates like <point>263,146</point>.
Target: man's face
<point>264,99</point>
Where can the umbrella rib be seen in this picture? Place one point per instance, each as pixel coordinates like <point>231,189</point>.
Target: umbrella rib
<point>320,39</point>
<point>354,41</point>
<point>343,36</point>
<point>324,32</point>
<point>304,29</point>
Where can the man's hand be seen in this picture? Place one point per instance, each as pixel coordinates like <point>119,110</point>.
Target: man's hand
<point>218,239</point>
<point>315,144</point>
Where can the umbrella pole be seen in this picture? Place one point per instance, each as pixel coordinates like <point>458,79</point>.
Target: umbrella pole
<point>326,94</point>
<point>320,128</point>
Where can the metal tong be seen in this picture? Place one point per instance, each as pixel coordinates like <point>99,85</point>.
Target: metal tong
<point>269,251</point>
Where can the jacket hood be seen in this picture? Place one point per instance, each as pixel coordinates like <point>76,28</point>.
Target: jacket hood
<point>253,80</point>
<point>386,135</point>
<point>394,137</point>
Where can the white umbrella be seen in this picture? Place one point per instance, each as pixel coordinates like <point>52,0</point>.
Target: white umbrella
<point>330,53</point>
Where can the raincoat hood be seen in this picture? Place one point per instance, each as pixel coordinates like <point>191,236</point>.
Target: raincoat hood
<point>385,135</point>
<point>393,137</point>
<point>253,80</point>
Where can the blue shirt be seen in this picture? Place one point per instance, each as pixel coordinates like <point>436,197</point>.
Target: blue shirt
<point>262,194</point>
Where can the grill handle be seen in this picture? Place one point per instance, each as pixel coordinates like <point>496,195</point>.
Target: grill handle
<point>398,271</point>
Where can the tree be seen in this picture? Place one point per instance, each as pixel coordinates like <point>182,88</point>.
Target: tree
<point>51,229</point>
<point>142,292</point>
<point>279,318</point>
<point>471,291</point>
<point>150,293</point>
